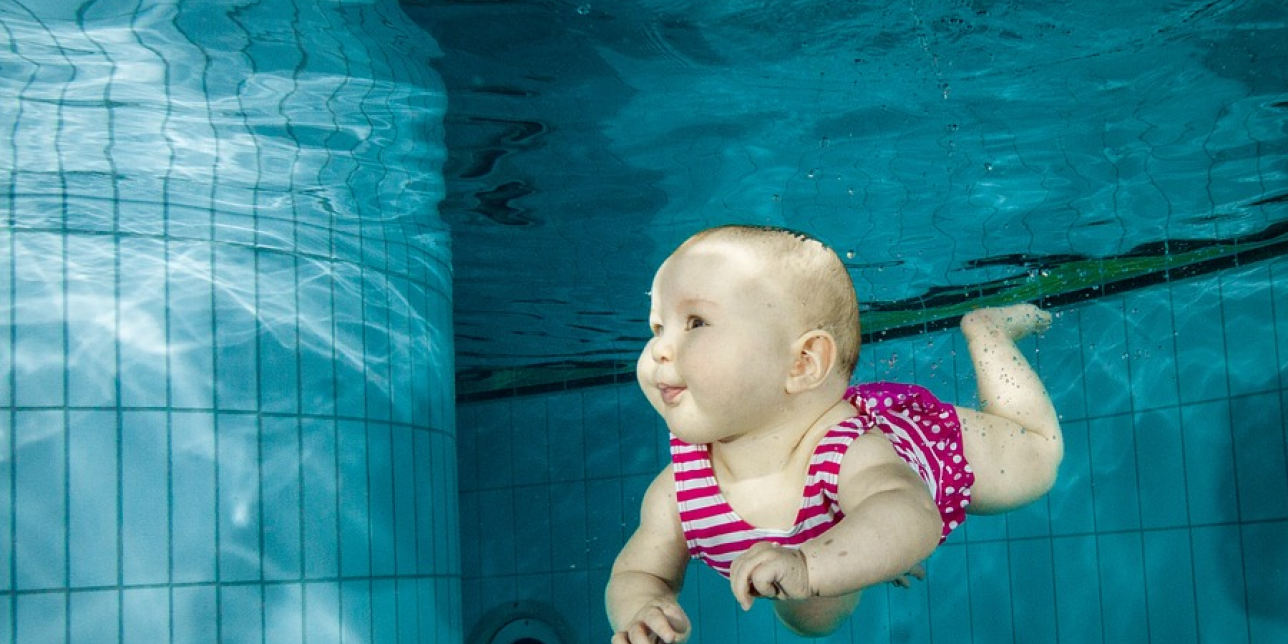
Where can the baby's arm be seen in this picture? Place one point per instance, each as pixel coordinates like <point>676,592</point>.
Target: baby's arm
<point>648,573</point>
<point>891,524</point>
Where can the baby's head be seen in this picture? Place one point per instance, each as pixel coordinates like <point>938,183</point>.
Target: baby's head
<point>807,272</point>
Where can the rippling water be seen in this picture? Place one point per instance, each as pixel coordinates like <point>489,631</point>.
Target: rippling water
<point>946,144</point>
<point>226,303</point>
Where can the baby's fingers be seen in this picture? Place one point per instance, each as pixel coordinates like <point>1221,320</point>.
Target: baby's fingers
<point>659,623</point>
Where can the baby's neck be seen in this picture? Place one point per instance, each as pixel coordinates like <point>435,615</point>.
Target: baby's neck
<point>776,447</point>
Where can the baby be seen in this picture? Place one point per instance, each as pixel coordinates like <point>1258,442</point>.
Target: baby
<point>778,480</point>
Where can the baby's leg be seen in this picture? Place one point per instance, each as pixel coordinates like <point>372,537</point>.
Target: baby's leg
<point>816,616</point>
<point>1013,441</point>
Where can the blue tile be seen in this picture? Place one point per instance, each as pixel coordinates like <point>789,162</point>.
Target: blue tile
<point>380,498</point>
<point>194,612</point>
<point>41,617</point>
<point>1219,584</point>
<point>277,348</point>
<point>9,502</point>
<point>376,345</point>
<point>1105,353</point>
<point>1209,463</point>
<point>320,492</point>
<point>92,380</point>
<point>1170,591</point>
<point>569,512</point>
<point>757,625</point>
<point>142,323</point>
<point>317,360</point>
<point>1032,520</point>
<point>1279,297</point>
<point>471,536</point>
<point>406,488</point>
<point>716,615</point>
<point>1077,589</point>
<point>237,437</point>
<point>1246,301</point>
<point>893,360</point>
<point>1071,501</point>
<point>1263,545</point>
<point>1201,338</point>
<point>983,528</point>
<point>1160,466</point>
<point>321,608</point>
<point>531,442</point>
<point>145,615</point>
<point>447,552</point>
<point>633,490</point>
<point>1262,473</point>
<point>39,503</point>
<point>496,435</point>
<point>384,611</point>
<point>467,420</point>
<point>1122,574</point>
<point>1033,586</point>
<point>193,502</point>
<point>568,436</point>
<point>283,608</point>
<point>1152,350</point>
<point>406,597</point>
<point>948,587</point>
<point>532,520</point>
<point>92,498</point>
<point>871,620</point>
<point>241,614</point>
<point>1059,364</point>
<point>88,612</point>
<point>499,532</point>
<point>280,471</point>
<point>145,532</point>
<point>355,609</point>
<point>37,279</point>
<point>604,521</point>
<point>990,592</point>
<point>603,438</point>
<point>1114,480</point>
<point>640,429</point>
<point>909,612</point>
<point>355,525</point>
<point>428,506</point>
<point>582,604</point>
<point>536,587</point>
<point>236,366</point>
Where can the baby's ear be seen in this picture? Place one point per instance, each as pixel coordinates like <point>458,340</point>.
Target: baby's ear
<point>815,359</point>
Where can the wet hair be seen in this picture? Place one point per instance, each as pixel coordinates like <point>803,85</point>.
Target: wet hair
<point>818,277</point>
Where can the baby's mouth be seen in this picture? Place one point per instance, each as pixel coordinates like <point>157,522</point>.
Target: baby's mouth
<point>670,394</point>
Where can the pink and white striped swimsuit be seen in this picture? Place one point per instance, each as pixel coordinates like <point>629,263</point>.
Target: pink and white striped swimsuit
<point>924,431</point>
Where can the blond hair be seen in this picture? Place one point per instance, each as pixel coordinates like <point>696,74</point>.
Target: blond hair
<point>817,276</point>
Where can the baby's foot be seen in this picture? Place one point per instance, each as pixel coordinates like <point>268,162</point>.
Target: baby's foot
<point>1015,321</point>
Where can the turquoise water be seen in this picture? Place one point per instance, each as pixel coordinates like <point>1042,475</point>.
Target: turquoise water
<point>247,245</point>
<point>227,409</point>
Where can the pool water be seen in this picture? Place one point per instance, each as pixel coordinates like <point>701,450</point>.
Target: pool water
<point>320,317</point>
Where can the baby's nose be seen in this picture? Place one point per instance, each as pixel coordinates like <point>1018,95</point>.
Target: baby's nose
<point>661,349</point>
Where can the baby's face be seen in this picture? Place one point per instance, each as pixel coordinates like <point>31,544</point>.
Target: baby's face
<point>722,342</point>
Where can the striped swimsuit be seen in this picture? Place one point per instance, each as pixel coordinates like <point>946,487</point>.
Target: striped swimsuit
<point>923,431</point>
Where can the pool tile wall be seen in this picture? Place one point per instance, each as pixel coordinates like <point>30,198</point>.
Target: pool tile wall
<point>1166,524</point>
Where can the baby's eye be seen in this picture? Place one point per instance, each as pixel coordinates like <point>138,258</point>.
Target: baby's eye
<point>656,329</point>
<point>694,322</point>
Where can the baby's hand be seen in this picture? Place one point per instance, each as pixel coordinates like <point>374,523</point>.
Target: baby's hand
<point>770,571</point>
<point>661,620</point>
